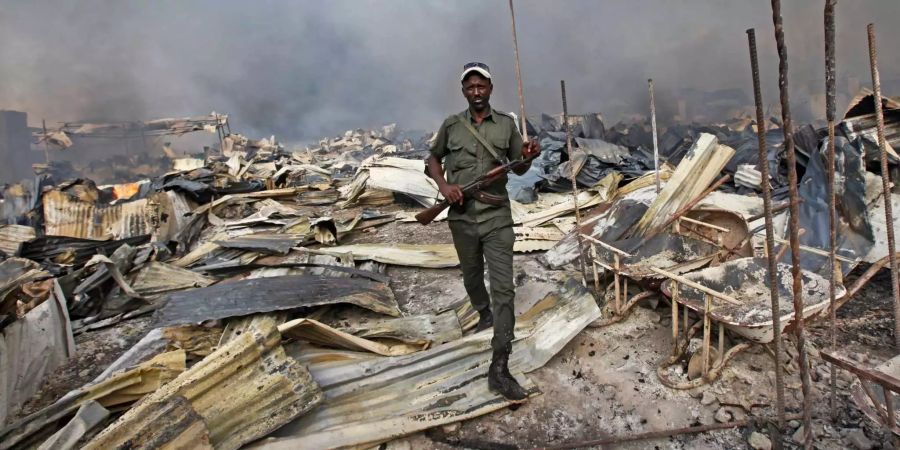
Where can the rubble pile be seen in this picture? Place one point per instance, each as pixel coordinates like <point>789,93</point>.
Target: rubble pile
<point>269,293</point>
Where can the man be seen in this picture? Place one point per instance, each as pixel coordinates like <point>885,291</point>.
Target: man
<point>470,144</point>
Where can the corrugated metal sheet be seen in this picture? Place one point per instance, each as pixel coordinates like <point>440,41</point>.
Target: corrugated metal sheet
<point>696,171</point>
<point>432,256</point>
<point>158,278</point>
<point>374,399</point>
<point>31,348</point>
<point>12,237</point>
<point>532,245</point>
<point>245,297</point>
<point>243,391</point>
<point>66,216</point>
<point>318,333</point>
<point>426,329</point>
<point>276,243</point>
<point>860,120</point>
<point>119,389</point>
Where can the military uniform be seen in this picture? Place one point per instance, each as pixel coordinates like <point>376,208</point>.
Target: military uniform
<point>483,231</point>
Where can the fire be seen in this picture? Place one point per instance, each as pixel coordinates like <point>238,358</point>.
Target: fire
<point>126,191</point>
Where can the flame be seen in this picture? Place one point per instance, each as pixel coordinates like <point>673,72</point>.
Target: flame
<point>126,191</point>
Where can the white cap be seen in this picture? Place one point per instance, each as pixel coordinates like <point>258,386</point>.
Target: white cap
<point>481,68</point>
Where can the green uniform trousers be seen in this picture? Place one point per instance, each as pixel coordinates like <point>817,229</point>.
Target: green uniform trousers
<point>491,240</point>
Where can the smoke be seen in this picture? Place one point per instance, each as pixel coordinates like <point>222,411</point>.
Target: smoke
<point>302,70</point>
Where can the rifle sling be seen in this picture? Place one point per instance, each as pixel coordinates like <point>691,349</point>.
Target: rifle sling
<point>480,137</point>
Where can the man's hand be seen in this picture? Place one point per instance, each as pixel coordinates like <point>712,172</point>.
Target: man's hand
<point>452,193</point>
<point>530,148</point>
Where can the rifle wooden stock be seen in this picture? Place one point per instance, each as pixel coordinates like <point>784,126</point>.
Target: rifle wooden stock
<point>428,216</point>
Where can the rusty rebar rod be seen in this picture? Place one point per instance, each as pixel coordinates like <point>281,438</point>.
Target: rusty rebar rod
<point>794,229</point>
<point>565,106</point>
<point>524,121</point>
<point>655,139</point>
<point>885,181</point>
<point>770,232</point>
<point>832,205</point>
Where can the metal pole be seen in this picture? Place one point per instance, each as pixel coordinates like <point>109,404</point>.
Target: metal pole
<point>519,74</point>
<point>770,233</point>
<point>885,181</point>
<point>220,132</point>
<point>46,142</point>
<point>562,86</point>
<point>832,209</point>
<point>794,218</point>
<point>655,139</point>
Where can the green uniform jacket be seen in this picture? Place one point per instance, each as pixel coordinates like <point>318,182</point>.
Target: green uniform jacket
<point>465,159</point>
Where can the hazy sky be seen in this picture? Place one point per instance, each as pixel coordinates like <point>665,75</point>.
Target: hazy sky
<point>304,69</point>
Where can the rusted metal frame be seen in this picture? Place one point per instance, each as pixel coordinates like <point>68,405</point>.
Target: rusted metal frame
<point>698,286</point>
<point>562,85</point>
<point>688,330</point>
<point>817,251</point>
<point>882,414</point>
<point>524,121</point>
<point>606,246</point>
<point>629,305</point>
<point>700,236</point>
<point>711,376</point>
<point>788,128</point>
<point>832,209</point>
<point>866,374</point>
<point>704,224</point>
<point>885,181</point>
<point>863,372</point>
<point>655,139</point>
<point>709,294</point>
<point>863,280</point>
<point>615,269</point>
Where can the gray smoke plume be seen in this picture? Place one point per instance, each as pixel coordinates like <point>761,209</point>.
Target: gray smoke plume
<point>306,69</point>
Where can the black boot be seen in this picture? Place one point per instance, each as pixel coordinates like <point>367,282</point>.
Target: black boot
<point>501,381</point>
<point>485,320</point>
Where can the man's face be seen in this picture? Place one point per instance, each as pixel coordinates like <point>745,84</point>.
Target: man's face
<point>477,91</point>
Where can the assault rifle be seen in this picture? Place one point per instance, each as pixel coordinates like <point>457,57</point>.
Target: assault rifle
<point>427,216</point>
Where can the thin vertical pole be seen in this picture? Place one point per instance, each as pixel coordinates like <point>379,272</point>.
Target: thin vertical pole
<point>770,233</point>
<point>674,318</point>
<point>794,240</point>
<point>512,12</point>
<point>46,142</point>
<point>655,139</point>
<point>596,269</point>
<point>220,132</point>
<point>707,324</point>
<point>562,85</point>
<point>832,209</point>
<point>885,181</point>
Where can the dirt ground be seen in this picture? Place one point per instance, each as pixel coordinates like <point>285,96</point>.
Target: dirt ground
<point>604,382</point>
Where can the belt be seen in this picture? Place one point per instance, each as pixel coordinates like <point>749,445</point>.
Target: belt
<point>490,199</point>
